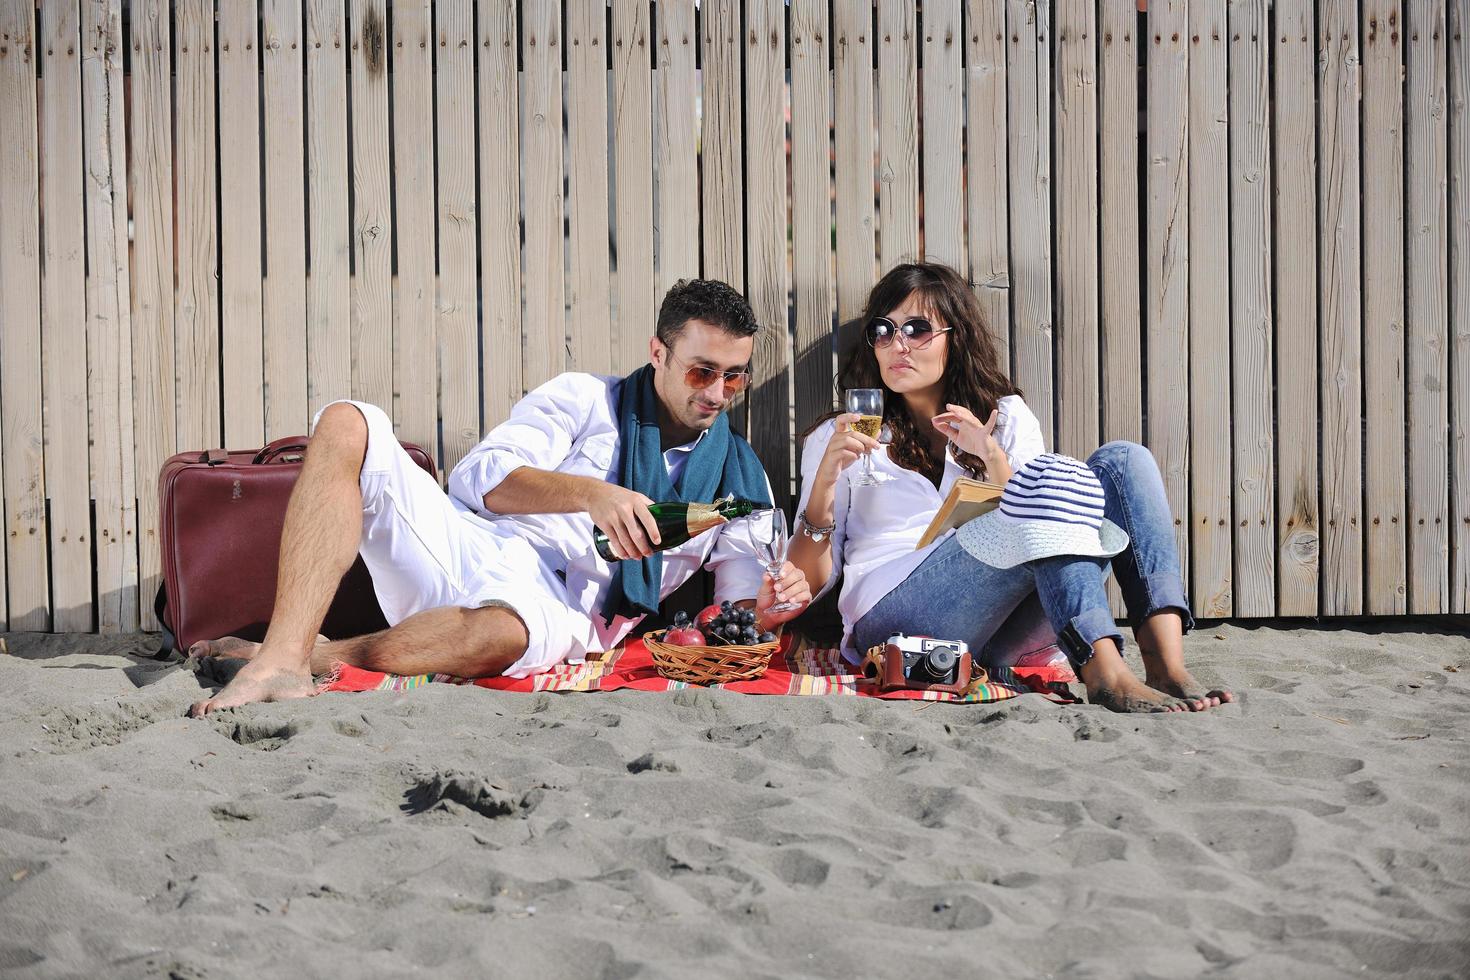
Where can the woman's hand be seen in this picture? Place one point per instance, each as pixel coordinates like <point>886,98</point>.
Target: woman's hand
<point>845,448</point>
<point>791,586</point>
<point>977,438</point>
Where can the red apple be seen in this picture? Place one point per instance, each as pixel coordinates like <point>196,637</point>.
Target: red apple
<point>706,614</point>
<point>686,636</point>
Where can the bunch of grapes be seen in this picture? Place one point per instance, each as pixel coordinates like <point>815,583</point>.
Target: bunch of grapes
<point>729,625</point>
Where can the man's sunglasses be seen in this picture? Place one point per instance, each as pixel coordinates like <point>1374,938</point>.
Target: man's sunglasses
<point>699,377</point>
<point>918,333</point>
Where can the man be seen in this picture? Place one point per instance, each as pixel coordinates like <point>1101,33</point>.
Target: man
<point>501,577</point>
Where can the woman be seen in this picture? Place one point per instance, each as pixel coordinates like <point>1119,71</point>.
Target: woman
<point>1020,578</point>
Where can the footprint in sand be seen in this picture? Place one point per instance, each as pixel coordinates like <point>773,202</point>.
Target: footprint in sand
<point>258,734</point>
<point>448,791</point>
<point>1257,840</point>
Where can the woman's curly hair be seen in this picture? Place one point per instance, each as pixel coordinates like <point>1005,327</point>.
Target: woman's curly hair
<point>973,375</point>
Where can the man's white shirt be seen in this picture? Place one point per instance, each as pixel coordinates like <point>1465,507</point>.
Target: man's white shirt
<point>569,425</point>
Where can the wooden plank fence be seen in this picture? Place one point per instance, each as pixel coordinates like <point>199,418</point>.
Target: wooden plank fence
<point>1238,230</point>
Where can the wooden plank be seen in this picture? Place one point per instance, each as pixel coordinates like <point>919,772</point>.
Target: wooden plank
<point>329,228</point>
<point>500,211</point>
<point>722,175</point>
<point>898,135</point>
<point>1078,408</point>
<point>677,188</point>
<point>151,168</point>
<point>987,170</point>
<point>109,333</point>
<point>1251,329</point>
<point>64,321</point>
<point>1122,311</point>
<point>415,344</point>
<point>1459,151</point>
<point>589,296</point>
<point>1426,171</point>
<point>541,143</point>
<point>1167,271</point>
<point>852,75</point>
<point>811,210</point>
<point>1209,309</point>
<point>196,300</point>
<point>372,208</point>
<point>1338,182</point>
<point>723,182</point>
<point>769,282</point>
<point>1294,180</point>
<point>22,434</point>
<point>632,120</point>
<point>1386,571</point>
<point>241,338</point>
<point>284,296</point>
<point>458,327</point>
<point>943,93</point>
<point>1028,77</point>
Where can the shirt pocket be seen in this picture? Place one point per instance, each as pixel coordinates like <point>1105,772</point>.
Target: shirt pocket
<point>595,456</point>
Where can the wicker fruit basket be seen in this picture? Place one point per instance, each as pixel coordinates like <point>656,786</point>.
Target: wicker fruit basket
<point>709,664</point>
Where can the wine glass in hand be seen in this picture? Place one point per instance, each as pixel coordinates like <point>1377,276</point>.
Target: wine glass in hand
<point>867,405</point>
<point>771,537</point>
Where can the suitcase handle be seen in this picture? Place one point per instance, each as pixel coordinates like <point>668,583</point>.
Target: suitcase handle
<point>289,449</point>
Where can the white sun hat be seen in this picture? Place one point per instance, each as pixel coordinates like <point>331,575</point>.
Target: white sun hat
<point>1051,506</point>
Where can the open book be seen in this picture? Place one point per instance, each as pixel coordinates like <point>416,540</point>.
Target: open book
<point>967,500</point>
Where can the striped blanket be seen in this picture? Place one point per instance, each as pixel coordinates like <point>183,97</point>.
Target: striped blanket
<point>796,669</point>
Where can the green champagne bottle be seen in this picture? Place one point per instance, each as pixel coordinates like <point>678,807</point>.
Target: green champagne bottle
<point>678,522</point>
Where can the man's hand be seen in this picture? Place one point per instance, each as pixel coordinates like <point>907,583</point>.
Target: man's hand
<point>623,515</point>
<point>790,587</point>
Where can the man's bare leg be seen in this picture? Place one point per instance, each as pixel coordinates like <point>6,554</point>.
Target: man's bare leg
<point>448,640</point>
<point>319,542</point>
<point>1161,643</point>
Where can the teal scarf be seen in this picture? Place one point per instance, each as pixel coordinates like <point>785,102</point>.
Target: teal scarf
<point>721,464</point>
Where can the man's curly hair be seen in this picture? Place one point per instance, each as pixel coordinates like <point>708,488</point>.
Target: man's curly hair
<point>704,299</point>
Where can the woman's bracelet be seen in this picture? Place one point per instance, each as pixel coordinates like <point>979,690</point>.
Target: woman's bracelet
<point>816,532</point>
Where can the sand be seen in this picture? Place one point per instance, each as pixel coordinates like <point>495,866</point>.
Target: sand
<point>1320,827</point>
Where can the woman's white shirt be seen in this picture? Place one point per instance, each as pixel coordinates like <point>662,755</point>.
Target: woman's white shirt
<point>878,527</point>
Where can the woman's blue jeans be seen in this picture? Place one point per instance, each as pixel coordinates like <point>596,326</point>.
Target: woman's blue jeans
<point>1006,613</point>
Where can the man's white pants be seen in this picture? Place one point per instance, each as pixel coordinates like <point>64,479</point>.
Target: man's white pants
<point>425,553</point>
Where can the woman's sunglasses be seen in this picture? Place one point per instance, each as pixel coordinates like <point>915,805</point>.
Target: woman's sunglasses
<point>699,377</point>
<point>918,333</point>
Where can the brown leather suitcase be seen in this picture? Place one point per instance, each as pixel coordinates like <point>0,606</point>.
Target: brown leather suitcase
<point>221,514</point>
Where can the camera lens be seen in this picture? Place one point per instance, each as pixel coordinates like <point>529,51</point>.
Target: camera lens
<point>936,665</point>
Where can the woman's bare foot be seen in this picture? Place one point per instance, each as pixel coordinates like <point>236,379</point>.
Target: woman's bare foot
<point>1111,684</point>
<point>1161,643</point>
<point>1180,683</point>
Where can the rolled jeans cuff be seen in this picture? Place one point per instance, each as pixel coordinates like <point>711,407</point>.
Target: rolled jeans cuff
<point>1164,592</point>
<point>1085,629</point>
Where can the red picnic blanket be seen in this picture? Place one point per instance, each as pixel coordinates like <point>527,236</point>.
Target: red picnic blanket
<point>795,669</point>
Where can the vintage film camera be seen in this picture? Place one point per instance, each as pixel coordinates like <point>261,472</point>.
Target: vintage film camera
<point>919,663</point>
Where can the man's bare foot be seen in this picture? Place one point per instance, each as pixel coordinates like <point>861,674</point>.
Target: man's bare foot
<point>231,646</point>
<point>259,680</point>
<point>225,646</point>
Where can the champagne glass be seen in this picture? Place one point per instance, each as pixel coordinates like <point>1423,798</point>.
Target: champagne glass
<point>772,537</point>
<point>867,405</point>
